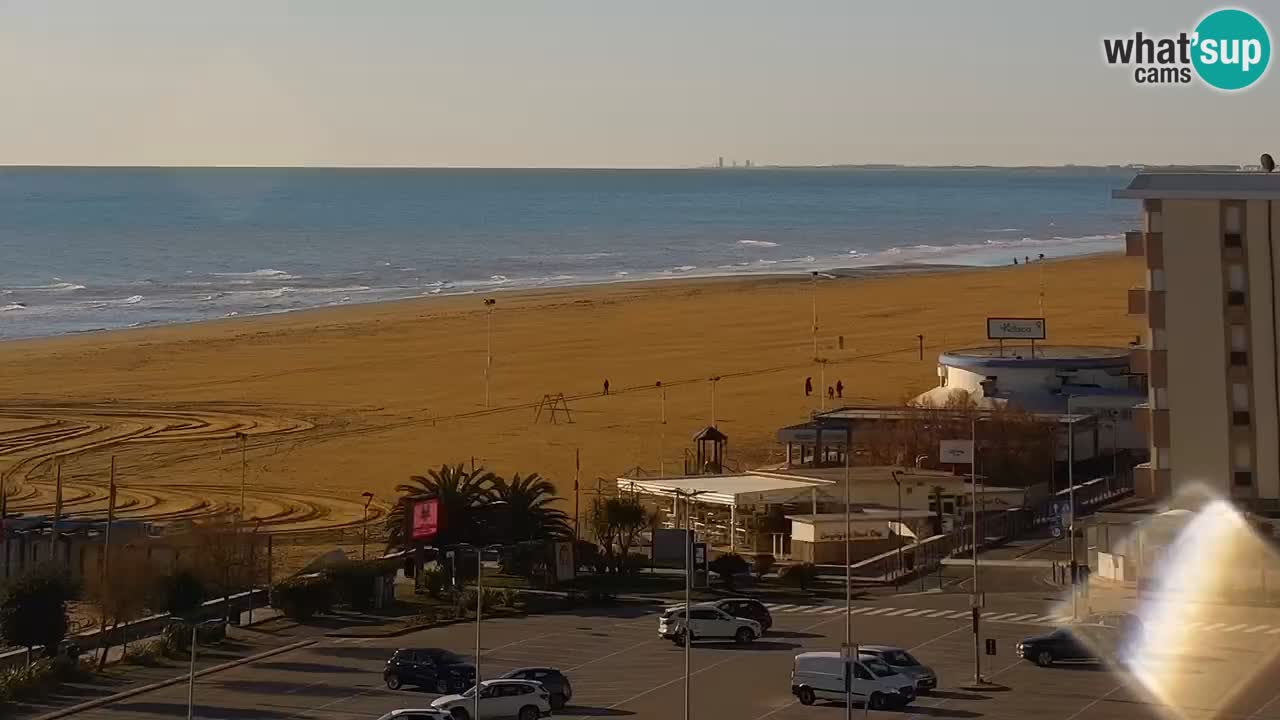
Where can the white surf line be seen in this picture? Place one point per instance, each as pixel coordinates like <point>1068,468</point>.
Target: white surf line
<point>1273,631</point>
<point>1215,626</point>
<point>1256,628</point>
<point>1235,628</point>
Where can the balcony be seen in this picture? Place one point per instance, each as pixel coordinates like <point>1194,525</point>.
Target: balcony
<point>1146,244</point>
<point>1149,482</point>
<point>1153,423</point>
<point>1137,301</point>
<point>1152,363</point>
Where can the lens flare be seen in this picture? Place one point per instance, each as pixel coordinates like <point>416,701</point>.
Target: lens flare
<point>1198,644</point>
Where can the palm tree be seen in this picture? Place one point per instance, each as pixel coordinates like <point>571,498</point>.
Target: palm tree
<point>460,492</point>
<point>528,508</point>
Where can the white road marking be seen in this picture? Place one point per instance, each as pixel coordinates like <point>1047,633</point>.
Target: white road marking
<point>1047,618</point>
<point>855,611</point>
<point>940,613</point>
<point>899,611</point>
<point>919,613</point>
<point>781,608</point>
<point>1022,618</point>
<point>878,611</point>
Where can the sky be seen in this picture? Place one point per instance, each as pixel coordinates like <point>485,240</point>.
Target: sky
<point>604,83</point>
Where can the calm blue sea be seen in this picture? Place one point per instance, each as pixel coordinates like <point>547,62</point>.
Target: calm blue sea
<point>87,249</point>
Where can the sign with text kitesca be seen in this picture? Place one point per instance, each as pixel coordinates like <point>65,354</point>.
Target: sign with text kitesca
<point>424,520</point>
<point>1015,328</point>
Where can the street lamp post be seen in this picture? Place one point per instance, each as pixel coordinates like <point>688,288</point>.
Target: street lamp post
<point>848,584</point>
<point>364,524</point>
<point>973,502</point>
<point>244,440</point>
<point>662,428</point>
<point>489,303</point>
<point>898,575</point>
<point>1071,501</point>
<point>714,380</point>
<point>688,586</point>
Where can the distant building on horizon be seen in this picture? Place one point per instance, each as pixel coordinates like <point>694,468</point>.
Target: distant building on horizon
<point>720,162</point>
<point>1213,409</point>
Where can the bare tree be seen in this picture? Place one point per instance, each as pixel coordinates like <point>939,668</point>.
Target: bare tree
<point>121,593</point>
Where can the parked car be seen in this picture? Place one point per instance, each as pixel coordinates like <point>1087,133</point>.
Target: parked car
<point>520,699</point>
<point>706,623</point>
<point>417,714</point>
<point>821,675</point>
<point>904,663</point>
<point>552,679</point>
<point>433,668</point>
<point>745,608</point>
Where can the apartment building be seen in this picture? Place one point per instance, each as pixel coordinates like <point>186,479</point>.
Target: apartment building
<point>1211,341</point>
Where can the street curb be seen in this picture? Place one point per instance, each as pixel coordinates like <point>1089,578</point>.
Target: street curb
<point>99,702</point>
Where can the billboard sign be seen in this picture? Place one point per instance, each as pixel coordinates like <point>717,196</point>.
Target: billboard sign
<point>424,519</point>
<point>955,452</point>
<point>565,566</point>
<point>1015,329</point>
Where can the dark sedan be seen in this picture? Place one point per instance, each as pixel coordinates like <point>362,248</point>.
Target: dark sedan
<point>553,680</point>
<point>437,670</point>
<point>747,608</point>
<point>1057,646</point>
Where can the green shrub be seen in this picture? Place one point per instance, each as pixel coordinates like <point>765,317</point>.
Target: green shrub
<point>728,566</point>
<point>148,654</point>
<point>33,608</point>
<point>801,575</point>
<point>432,580</point>
<point>302,598</point>
<point>762,564</point>
<point>21,682</point>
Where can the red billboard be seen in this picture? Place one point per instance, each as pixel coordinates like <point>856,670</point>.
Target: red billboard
<point>424,519</point>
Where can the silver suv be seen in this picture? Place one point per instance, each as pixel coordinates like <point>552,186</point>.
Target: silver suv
<point>904,663</point>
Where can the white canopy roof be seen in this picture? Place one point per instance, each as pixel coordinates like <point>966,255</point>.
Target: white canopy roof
<point>740,489</point>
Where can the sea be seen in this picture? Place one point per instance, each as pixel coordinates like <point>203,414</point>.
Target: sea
<point>92,249</point>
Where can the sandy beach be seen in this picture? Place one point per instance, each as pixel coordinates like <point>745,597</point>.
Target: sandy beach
<point>340,401</point>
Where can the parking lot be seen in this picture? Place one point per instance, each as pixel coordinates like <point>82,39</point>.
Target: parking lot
<point>620,668</point>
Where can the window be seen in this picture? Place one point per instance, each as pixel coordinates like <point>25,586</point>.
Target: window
<point>1158,339</point>
<point>1162,398</point>
<point>1232,241</point>
<point>1233,220</point>
<point>1235,298</point>
<point>1240,418</point>
<point>1239,396</point>
<point>1243,478</point>
<point>1155,280</point>
<point>705,615</point>
<point>1161,459</point>
<point>1239,359</point>
<point>1155,221</point>
<point>1236,278</point>
<point>1239,338</point>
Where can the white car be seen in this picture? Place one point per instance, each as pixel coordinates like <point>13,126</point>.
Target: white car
<point>706,623</point>
<point>520,699</point>
<point>820,675</point>
<point>417,714</point>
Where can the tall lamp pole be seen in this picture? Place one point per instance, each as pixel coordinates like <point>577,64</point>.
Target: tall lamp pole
<point>244,440</point>
<point>1071,500</point>
<point>714,380</point>
<point>364,524</point>
<point>815,315</point>
<point>488,354</point>
<point>850,652</point>
<point>662,429</point>
<point>688,587</point>
<point>897,480</point>
<point>973,502</point>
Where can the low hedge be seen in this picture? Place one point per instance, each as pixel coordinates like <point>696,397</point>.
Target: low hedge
<point>303,597</point>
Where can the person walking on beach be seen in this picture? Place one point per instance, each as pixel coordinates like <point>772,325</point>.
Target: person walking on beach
<point>831,393</point>
<point>839,389</point>
<point>606,386</point>
<point>808,386</point>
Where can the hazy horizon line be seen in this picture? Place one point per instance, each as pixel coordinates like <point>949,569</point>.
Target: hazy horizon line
<point>637,168</point>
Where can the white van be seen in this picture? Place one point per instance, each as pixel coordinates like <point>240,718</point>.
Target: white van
<point>820,675</point>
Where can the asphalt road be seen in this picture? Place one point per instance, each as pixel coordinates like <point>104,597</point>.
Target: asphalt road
<point>619,668</point>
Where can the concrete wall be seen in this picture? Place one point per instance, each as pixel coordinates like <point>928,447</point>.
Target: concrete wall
<point>1199,415</point>
<point>1262,355</point>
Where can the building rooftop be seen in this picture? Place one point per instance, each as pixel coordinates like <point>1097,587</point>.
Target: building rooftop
<point>847,414</point>
<point>1046,356</point>
<point>1202,186</point>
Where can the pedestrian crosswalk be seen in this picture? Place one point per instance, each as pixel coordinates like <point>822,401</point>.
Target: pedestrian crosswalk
<point>1018,618</point>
